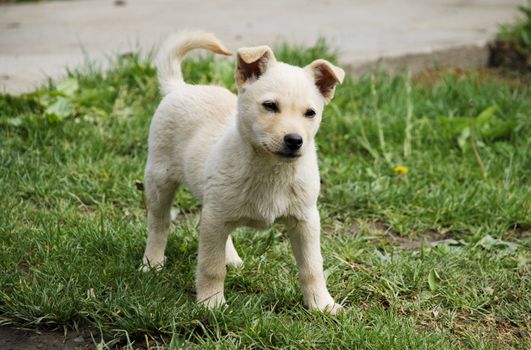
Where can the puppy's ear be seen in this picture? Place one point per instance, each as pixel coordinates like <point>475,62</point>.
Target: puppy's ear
<point>253,62</point>
<point>326,76</point>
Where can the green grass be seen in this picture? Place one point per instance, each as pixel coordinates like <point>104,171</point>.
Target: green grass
<point>519,33</point>
<point>72,224</point>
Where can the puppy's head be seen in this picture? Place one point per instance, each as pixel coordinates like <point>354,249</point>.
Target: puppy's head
<point>280,106</point>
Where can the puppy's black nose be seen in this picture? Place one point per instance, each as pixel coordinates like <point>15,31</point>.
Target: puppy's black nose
<point>293,141</point>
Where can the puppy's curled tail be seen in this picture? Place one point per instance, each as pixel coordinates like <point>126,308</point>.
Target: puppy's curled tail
<point>175,48</point>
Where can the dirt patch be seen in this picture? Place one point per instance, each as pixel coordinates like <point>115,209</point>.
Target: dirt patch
<point>19,339</point>
<point>506,54</point>
<point>432,77</point>
<point>384,233</point>
<point>500,333</point>
<point>15,339</point>
<point>521,231</point>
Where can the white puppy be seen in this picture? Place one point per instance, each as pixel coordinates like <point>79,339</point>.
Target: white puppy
<point>250,159</point>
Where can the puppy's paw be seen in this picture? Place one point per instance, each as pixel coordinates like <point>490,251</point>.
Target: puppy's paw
<point>325,304</point>
<point>175,216</point>
<point>235,263</point>
<point>152,264</point>
<point>212,302</point>
<point>334,309</point>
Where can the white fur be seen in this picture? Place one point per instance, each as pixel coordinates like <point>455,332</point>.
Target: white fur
<point>224,149</point>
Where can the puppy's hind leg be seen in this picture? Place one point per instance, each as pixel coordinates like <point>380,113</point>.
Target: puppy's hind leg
<point>160,191</point>
<point>232,258</point>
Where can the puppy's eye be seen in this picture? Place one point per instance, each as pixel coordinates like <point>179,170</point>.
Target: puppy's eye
<point>310,113</point>
<point>271,106</point>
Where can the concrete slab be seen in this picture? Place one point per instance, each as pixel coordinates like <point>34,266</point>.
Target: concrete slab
<point>41,39</point>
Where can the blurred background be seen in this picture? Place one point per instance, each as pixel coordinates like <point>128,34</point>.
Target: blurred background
<point>41,38</point>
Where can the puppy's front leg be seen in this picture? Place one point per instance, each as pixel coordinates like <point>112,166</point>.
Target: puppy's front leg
<point>304,236</point>
<point>210,275</point>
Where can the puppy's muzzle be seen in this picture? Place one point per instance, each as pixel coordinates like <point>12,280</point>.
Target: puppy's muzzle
<point>291,146</point>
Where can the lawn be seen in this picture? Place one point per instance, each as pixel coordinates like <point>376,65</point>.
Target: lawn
<point>425,207</point>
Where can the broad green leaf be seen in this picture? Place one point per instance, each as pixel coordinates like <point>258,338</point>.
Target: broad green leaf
<point>498,129</point>
<point>463,138</point>
<point>68,87</point>
<point>486,115</point>
<point>60,109</point>
<point>490,243</point>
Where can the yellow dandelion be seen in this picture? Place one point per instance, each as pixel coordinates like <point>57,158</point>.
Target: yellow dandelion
<point>400,170</point>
